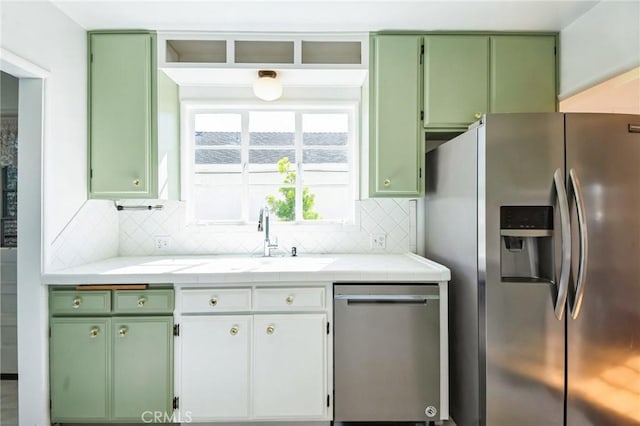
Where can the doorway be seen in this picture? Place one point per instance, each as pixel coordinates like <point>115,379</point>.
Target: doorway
<point>30,299</point>
<point>8,222</point>
<point>8,246</point>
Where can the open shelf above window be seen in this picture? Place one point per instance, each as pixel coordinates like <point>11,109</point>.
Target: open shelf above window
<point>196,51</point>
<point>301,59</point>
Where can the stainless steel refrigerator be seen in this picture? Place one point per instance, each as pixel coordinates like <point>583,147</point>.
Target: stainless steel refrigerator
<point>538,218</point>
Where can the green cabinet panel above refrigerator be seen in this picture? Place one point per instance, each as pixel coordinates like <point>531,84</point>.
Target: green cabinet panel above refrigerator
<point>523,74</point>
<point>456,80</point>
<point>426,87</point>
<point>467,75</point>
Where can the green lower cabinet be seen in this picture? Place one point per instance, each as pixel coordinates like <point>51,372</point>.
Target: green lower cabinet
<point>106,368</point>
<point>142,365</point>
<point>80,369</point>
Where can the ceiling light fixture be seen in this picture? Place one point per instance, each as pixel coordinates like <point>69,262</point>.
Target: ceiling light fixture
<point>267,87</point>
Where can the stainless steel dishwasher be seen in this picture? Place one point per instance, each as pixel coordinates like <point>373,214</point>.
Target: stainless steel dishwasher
<point>386,353</point>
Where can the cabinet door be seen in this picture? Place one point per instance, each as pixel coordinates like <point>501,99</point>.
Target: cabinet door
<point>395,158</point>
<point>523,74</point>
<point>456,80</point>
<point>80,369</point>
<point>214,366</point>
<point>122,99</point>
<point>142,366</point>
<point>289,366</point>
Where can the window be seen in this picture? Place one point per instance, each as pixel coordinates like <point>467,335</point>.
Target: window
<point>296,160</point>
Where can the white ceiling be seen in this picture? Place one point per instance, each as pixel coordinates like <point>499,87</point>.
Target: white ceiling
<point>320,16</point>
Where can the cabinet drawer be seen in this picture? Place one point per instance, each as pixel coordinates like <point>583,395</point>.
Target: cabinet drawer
<point>289,298</point>
<point>143,301</point>
<point>216,300</point>
<point>71,302</point>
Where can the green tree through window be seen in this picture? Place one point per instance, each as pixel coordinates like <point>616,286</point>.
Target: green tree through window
<point>284,207</point>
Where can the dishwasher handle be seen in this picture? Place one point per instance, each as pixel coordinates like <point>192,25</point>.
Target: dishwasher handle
<point>409,299</point>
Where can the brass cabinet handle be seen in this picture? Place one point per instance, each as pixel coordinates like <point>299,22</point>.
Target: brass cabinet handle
<point>289,300</point>
<point>76,302</point>
<point>234,330</point>
<point>477,115</point>
<point>141,302</point>
<point>213,301</point>
<point>386,182</point>
<point>136,182</point>
<point>123,331</point>
<point>271,329</point>
<point>94,332</point>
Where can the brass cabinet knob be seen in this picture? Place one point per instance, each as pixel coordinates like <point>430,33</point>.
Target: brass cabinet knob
<point>94,332</point>
<point>477,115</point>
<point>136,182</point>
<point>289,300</point>
<point>123,331</point>
<point>213,301</point>
<point>76,302</point>
<point>271,329</point>
<point>141,302</point>
<point>234,330</point>
<point>386,182</point>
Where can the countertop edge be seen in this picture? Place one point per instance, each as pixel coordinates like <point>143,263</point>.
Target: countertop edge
<point>432,273</point>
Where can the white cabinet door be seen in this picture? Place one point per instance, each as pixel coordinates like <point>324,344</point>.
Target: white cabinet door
<point>215,364</point>
<point>290,366</point>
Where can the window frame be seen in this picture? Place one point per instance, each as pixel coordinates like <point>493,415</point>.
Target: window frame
<point>189,108</point>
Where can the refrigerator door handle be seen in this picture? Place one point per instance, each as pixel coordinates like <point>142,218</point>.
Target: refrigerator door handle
<point>584,246</point>
<point>565,232</point>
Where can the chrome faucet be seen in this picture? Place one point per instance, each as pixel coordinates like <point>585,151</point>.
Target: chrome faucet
<point>263,226</point>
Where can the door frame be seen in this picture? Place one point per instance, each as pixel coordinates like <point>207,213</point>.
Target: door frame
<point>33,354</point>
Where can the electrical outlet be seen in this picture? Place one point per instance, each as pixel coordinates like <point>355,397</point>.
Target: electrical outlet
<point>378,241</point>
<point>162,242</point>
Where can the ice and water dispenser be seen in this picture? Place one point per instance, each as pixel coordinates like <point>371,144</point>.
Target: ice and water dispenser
<point>526,239</point>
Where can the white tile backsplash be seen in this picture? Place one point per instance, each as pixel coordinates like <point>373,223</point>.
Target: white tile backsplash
<point>98,231</point>
<point>388,216</point>
<point>91,235</point>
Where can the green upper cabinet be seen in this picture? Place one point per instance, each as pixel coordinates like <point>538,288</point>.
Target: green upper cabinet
<point>523,74</point>
<point>467,75</point>
<point>396,160</point>
<point>126,97</point>
<point>456,80</point>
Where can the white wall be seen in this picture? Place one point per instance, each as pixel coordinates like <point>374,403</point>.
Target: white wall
<point>38,32</point>
<point>37,36</point>
<point>600,44</point>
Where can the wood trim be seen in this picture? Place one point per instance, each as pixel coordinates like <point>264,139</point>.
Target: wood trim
<point>112,287</point>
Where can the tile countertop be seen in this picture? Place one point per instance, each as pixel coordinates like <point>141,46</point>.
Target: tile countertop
<point>226,269</point>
